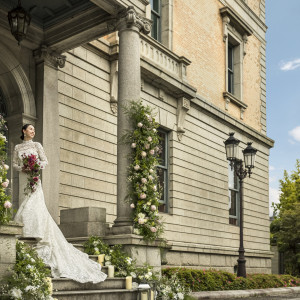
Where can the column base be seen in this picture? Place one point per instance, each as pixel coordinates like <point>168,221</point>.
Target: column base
<point>122,226</point>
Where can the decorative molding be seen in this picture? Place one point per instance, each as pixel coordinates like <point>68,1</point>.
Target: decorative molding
<point>51,58</point>
<point>245,41</point>
<point>142,84</point>
<point>130,18</point>
<point>161,94</point>
<point>236,22</point>
<point>230,98</point>
<point>182,108</point>
<point>114,86</point>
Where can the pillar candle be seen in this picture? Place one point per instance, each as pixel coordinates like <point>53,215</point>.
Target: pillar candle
<point>101,259</point>
<point>128,282</point>
<point>111,271</point>
<point>144,296</point>
<point>152,295</point>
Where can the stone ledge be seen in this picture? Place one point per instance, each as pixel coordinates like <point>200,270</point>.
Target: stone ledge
<point>249,294</point>
<point>12,228</point>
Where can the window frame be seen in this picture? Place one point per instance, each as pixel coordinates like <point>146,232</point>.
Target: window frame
<point>165,169</point>
<point>158,16</point>
<point>236,189</point>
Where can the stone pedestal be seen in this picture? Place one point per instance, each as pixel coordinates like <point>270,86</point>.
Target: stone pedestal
<point>8,239</point>
<point>83,222</point>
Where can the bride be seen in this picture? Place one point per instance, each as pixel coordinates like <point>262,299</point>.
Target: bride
<point>63,258</point>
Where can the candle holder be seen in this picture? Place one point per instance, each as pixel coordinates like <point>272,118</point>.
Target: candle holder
<point>111,271</point>
<point>144,291</point>
<point>101,259</point>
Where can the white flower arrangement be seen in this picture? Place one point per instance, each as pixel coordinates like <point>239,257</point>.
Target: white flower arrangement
<point>142,178</point>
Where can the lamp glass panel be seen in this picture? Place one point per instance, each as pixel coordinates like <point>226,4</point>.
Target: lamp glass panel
<point>249,159</point>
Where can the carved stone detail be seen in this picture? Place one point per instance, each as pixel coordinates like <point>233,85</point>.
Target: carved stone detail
<point>242,113</point>
<point>161,95</point>
<point>182,108</point>
<point>245,41</point>
<point>114,86</point>
<point>226,21</point>
<point>131,18</point>
<point>227,101</point>
<point>52,58</point>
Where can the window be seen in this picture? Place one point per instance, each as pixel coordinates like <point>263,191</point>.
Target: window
<point>162,171</point>
<point>230,87</point>
<point>234,197</point>
<point>235,36</point>
<point>156,18</point>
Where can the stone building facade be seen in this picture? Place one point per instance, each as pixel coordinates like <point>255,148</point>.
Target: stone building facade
<point>203,70</point>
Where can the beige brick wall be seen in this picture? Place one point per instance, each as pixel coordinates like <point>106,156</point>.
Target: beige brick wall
<point>198,35</point>
<point>87,133</point>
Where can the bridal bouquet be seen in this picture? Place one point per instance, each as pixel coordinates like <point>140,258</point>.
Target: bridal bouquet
<point>32,167</point>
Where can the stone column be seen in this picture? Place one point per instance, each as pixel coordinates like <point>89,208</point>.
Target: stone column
<point>47,125</point>
<point>129,87</point>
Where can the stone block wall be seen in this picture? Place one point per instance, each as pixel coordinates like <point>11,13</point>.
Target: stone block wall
<point>87,132</point>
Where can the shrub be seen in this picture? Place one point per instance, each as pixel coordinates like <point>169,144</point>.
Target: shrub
<point>214,280</point>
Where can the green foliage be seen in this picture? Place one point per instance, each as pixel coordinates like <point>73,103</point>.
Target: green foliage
<point>5,204</point>
<point>114,255</point>
<point>214,280</point>
<point>30,279</point>
<point>142,177</point>
<point>172,287</point>
<point>285,229</point>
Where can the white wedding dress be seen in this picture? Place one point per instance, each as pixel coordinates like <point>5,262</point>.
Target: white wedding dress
<point>63,258</point>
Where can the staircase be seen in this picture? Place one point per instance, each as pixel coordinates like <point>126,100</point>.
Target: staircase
<point>110,289</point>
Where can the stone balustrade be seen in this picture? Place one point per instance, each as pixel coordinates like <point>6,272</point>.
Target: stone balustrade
<point>167,61</point>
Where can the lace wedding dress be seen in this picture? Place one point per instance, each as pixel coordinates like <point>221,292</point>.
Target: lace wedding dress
<point>63,258</point>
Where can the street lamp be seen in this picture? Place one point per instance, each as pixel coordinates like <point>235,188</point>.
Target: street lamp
<point>231,147</point>
<point>19,21</point>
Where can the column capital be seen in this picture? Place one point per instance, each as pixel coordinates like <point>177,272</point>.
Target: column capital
<point>50,57</point>
<point>129,18</point>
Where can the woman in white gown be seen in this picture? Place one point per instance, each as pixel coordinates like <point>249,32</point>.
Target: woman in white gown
<point>63,258</point>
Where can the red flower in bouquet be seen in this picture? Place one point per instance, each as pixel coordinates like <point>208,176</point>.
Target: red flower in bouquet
<point>32,167</point>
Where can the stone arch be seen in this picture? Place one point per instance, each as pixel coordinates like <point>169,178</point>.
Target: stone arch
<point>15,85</point>
<point>20,104</point>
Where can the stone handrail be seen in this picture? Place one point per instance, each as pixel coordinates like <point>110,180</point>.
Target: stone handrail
<point>156,53</point>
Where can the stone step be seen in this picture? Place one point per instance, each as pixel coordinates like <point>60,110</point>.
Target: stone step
<point>65,284</point>
<point>115,294</point>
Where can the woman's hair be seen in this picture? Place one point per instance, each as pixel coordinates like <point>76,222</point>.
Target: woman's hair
<point>24,128</point>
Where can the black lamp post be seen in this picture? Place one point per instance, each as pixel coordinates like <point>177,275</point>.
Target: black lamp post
<point>231,146</point>
<point>19,21</point>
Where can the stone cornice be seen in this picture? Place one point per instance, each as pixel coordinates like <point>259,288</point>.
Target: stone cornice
<point>204,105</point>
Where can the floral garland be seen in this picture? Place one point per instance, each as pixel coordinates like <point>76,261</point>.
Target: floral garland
<point>5,204</point>
<point>142,176</point>
<point>30,279</point>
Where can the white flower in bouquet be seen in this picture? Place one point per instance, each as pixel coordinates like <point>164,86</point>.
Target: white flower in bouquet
<point>147,146</point>
<point>7,204</point>
<point>141,216</point>
<point>96,249</point>
<point>132,205</point>
<point>107,257</point>
<point>153,207</point>
<point>3,137</point>
<point>149,139</point>
<point>180,296</point>
<point>140,124</point>
<point>95,243</point>
<point>136,167</point>
<point>151,170</point>
<point>16,293</point>
<point>136,231</point>
<point>141,221</point>
<point>150,177</point>
<point>151,152</point>
<point>30,288</point>
<point>133,274</point>
<point>128,260</point>
<point>144,180</point>
<point>133,145</point>
<point>143,196</point>
<point>143,154</point>
<point>154,188</point>
<point>6,167</point>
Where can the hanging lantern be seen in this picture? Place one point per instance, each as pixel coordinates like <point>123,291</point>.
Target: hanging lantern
<point>19,21</point>
<point>249,157</point>
<point>231,147</point>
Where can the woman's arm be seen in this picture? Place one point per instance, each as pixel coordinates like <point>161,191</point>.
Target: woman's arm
<point>16,162</point>
<point>42,155</point>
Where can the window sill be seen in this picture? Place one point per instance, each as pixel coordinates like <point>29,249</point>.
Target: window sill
<point>229,98</point>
